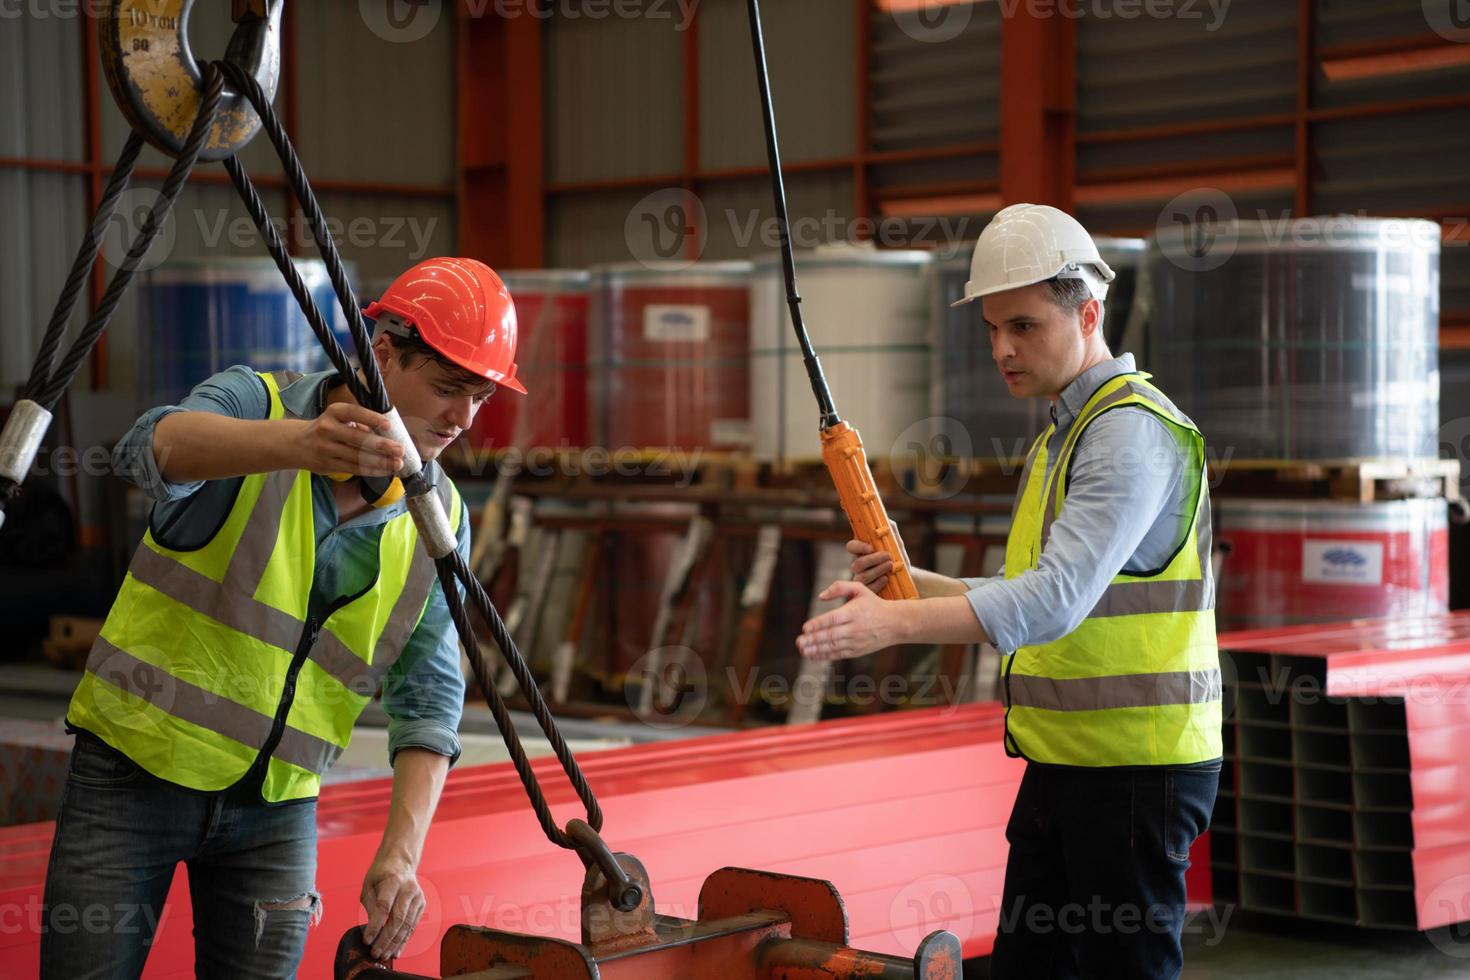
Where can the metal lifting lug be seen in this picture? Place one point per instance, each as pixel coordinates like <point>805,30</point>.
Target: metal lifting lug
<point>158,81</point>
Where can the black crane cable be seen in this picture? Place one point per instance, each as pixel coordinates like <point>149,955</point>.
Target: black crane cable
<point>46,387</point>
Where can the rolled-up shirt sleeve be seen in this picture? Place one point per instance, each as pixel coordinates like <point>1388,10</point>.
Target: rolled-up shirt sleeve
<point>423,693</point>
<point>971,584</point>
<point>236,392</point>
<point>1124,474</point>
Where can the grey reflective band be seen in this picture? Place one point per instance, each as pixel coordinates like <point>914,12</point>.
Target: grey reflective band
<point>1120,691</point>
<point>1026,470</point>
<point>346,667</point>
<point>307,751</point>
<point>333,656</point>
<point>241,612</point>
<point>258,538</point>
<point>1151,596</point>
<point>404,618</point>
<point>206,709</point>
<point>1055,486</point>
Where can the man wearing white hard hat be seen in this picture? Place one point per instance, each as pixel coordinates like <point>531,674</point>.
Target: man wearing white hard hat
<point>1104,613</point>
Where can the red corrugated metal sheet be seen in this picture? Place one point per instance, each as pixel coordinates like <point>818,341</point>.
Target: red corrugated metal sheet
<point>905,813</point>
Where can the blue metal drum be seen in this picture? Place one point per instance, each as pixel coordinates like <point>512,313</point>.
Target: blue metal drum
<point>200,317</point>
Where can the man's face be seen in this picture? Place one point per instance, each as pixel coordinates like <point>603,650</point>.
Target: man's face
<point>1038,346</point>
<point>436,404</point>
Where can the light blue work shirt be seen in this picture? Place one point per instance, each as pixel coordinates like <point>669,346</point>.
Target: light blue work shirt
<point>423,692</point>
<point>1127,509</point>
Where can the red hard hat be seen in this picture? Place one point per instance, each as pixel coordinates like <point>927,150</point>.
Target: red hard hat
<point>461,309</point>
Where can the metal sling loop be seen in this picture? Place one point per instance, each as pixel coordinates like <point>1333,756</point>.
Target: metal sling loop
<point>579,836</point>
<point>31,417</point>
<point>158,83</point>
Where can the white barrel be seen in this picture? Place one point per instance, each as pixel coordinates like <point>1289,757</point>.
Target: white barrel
<point>867,314</point>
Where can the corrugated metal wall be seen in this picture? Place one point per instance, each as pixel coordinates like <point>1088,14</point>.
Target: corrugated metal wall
<point>41,89</point>
<point>1152,71</point>
<point>809,49</point>
<point>44,223</point>
<point>373,109</point>
<point>1350,22</point>
<point>585,229</point>
<point>615,109</point>
<point>935,82</point>
<point>614,91</point>
<point>1403,162</point>
<point>1141,72</point>
<point>742,216</point>
<point>40,116</point>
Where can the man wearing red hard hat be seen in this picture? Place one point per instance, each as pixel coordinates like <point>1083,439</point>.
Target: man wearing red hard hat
<point>278,589</point>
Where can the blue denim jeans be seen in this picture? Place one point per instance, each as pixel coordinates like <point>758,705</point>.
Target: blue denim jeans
<point>1095,879</point>
<point>119,835</point>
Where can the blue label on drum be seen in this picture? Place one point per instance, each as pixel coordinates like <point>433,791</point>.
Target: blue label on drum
<point>676,323</point>
<point>1342,562</point>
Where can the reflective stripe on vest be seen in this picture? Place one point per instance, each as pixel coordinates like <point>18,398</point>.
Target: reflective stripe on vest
<point>1138,681</point>
<point>188,676</point>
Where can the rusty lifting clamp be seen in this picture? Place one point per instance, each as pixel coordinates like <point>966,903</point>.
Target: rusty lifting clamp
<point>752,925</point>
<point>158,83</point>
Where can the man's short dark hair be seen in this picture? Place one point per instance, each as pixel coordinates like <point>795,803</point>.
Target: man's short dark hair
<point>1070,294</point>
<point>412,347</point>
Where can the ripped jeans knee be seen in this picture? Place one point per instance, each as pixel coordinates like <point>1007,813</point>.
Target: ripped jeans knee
<point>307,903</point>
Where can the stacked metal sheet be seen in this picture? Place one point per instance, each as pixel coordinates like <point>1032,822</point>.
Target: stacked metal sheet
<point>1343,796</point>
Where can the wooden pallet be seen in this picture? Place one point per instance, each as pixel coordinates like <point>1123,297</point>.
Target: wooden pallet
<point>1356,480</point>
<point>590,467</point>
<point>913,482</point>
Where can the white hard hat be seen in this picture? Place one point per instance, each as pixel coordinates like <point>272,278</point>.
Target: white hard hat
<point>1029,243</point>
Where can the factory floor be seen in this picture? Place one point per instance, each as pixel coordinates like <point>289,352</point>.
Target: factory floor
<point>1261,947</point>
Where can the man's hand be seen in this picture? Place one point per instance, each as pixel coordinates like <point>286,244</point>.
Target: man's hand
<point>341,440</point>
<point>871,568</point>
<point>865,623</point>
<point>394,903</point>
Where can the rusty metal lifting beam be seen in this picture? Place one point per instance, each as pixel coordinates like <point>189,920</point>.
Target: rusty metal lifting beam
<point>752,925</point>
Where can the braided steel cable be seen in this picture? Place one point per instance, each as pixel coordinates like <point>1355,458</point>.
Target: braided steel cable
<point>81,269</point>
<point>178,174</point>
<point>451,567</point>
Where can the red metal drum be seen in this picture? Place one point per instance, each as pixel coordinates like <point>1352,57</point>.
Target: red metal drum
<point>1311,561</point>
<point>670,352</point>
<point>551,361</point>
<point>637,566</point>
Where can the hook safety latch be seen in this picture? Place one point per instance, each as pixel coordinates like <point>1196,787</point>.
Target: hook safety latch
<point>158,82</point>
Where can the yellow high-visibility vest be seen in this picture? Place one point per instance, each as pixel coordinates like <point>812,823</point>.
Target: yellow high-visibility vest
<point>1138,682</point>
<point>208,660</point>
